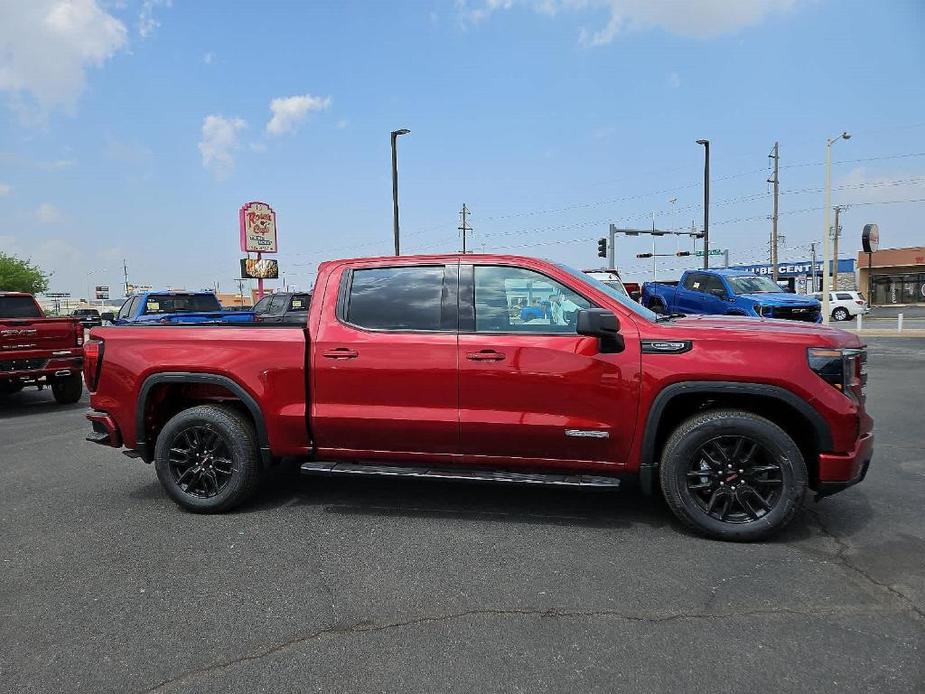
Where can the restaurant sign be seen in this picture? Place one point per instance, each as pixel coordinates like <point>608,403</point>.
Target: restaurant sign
<point>258,228</point>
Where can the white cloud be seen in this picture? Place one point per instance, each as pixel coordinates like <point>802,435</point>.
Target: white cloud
<point>46,47</point>
<point>48,214</point>
<point>859,186</point>
<point>674,80</point>
<point>219,142</point>
<point>289,112</point>
<point>693,18</point>
<point>5,189</point>
<point>208,58</point>
<point>147,24</point>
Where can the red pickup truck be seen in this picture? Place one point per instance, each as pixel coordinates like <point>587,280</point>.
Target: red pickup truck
<point>39,351</point>
<point>496,368</point>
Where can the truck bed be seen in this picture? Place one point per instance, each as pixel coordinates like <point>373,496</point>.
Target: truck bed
<point>266,361</point>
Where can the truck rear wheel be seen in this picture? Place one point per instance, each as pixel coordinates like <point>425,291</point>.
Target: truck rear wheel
<point>657,306</point>
<point>207,460</point>
<point>67,390</point>
<point>732,475</point>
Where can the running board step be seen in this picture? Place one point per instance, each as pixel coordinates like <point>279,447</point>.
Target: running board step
<point>467,474</point>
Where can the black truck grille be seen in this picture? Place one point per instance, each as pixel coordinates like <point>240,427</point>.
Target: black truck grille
<point>804,314</point>
<point>22,364</point>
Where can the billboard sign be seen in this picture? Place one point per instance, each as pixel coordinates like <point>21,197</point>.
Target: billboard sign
<point>794,269</point>
<point>263,269</point>
<point>258,228</point>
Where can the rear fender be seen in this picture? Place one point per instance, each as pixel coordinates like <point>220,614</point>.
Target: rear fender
<point>146,448</point>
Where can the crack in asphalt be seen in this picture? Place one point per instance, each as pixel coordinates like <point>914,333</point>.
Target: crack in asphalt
<point>842,546</point>
<point>365,627</point>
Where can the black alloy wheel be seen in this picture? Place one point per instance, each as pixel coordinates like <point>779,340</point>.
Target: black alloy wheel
<point>734,480</point>
<point>206,458</point>
<point>734,475</point>
<point>200,462</point>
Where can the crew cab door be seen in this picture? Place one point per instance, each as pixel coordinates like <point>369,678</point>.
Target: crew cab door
<point>384,373</point>
<point>689,297</point>
<point>532,391</point>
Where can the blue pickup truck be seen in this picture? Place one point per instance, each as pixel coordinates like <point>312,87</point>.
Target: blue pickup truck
<point>731,293</point>
<point>177,307</point>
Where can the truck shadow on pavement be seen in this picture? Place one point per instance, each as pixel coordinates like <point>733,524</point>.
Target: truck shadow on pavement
<point>602,508</point>
<point>34,403</point>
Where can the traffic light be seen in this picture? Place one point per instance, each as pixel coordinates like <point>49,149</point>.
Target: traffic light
<point>643,255</point>
<point>681,254</point>
<point>602,248</point>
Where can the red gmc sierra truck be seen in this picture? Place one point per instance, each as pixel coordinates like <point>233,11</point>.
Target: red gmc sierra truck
<point>496,368</point>
<point>39,351</point>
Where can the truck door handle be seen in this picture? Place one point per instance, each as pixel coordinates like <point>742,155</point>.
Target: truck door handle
<point>341,353</point>
<point>485,355</point>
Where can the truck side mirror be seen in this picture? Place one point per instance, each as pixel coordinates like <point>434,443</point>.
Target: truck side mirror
<point>108,316</point>
<point>602,324</point>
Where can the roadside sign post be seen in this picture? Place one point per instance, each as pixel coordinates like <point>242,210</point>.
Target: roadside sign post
<point>258,232</point>
<point>870,242</point>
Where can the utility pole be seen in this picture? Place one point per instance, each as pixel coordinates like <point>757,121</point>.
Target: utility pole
<point>776,181</point>
<point>706,202</point>
<point>813,263</point>
<point>464,228</point>
<point>125,275</point>
<point>836,232</point>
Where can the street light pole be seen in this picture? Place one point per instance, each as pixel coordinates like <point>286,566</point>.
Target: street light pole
<point>395,134</point>
<point>826,245</point>
<point>706,202</point>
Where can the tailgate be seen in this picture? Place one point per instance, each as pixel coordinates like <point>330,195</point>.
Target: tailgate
<point>27,334</point>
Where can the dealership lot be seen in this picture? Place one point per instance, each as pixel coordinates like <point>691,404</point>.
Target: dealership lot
<point>343,585</point>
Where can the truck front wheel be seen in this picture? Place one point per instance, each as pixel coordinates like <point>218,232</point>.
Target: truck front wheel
<point>732,475</point>
<point>207,460</point>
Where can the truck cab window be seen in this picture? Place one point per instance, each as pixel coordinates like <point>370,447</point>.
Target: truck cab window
<point>515,300</point>
<point>397,298</point>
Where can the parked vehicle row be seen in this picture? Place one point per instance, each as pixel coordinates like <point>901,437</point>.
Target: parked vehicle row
<point>420,367</point>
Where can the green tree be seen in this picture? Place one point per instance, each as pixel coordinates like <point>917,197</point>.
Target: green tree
<point>21,275</point>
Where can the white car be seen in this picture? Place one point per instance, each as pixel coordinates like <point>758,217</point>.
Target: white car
<point>845,305</point>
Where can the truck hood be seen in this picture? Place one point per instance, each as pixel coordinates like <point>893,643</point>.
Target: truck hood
<point>746,328</point>
<point>782,299</point>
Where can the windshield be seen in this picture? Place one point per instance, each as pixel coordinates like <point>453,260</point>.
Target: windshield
<point>755,284</point>
<point>19,307</point>
<point>615,294</point>
<point>181,303</point>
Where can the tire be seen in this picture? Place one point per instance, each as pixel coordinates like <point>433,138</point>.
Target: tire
<point>703,453</point>
<point>841,313</point>
<point>206,459</point>
<point>67,390</point>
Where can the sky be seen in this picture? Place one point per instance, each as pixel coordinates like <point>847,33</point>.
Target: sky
<point>135,129</point>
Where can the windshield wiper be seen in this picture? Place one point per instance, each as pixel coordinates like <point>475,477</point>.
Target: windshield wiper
<point>668,316</point>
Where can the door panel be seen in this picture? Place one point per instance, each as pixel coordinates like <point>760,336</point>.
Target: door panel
<point>535,394</point>
<point>380,392</point>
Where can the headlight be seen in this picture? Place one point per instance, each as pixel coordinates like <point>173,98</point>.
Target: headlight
<point>842,368</point>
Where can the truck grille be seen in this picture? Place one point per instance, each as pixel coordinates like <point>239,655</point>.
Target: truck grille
<point>22,364</point>
<point>796,313</point>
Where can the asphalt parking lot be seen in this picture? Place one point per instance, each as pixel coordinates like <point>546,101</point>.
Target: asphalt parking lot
<point>354,586</point>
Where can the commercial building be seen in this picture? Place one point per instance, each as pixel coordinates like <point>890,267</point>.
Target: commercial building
<point>896,275</point>
<point>798,275</point>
